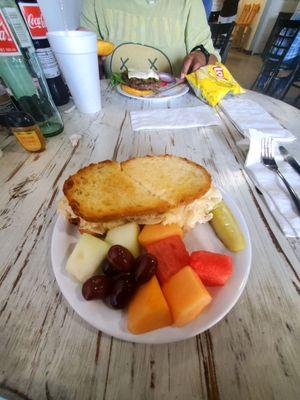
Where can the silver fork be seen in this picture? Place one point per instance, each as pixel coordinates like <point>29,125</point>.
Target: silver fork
<point>268,160</point>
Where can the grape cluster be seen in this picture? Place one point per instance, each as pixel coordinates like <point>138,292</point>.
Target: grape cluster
<point>122,275</point>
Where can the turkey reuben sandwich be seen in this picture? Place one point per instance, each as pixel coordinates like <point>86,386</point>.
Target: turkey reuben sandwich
<point>147,190</point>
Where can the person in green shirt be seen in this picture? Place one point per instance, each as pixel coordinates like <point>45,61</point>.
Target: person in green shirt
<point>152,34</point>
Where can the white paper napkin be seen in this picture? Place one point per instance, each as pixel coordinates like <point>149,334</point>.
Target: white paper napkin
<point>246,114</point>
<point>174,118</point>
<point>275,193</point>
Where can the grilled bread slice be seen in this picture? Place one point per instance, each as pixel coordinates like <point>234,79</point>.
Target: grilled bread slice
<point>145,186</point>
<point>174,179</point>
<point>102,192</point>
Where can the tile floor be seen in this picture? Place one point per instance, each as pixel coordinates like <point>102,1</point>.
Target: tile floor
<point>245,69</point>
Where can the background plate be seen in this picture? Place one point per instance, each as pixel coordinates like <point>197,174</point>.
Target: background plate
<point>177,91</point>
<point>113,322</point>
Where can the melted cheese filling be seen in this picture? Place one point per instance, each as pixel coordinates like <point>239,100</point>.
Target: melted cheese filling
<point>186,216</point>
<point>143,75</point>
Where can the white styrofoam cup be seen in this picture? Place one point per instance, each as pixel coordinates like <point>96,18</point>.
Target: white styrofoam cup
<point>76,54</point>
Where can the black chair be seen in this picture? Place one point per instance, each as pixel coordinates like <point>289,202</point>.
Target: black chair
<point>284,34</point>
<point>281,16</point>
<point>292,79</point>
<point>296,84</point>
<point>221,34</point>
<point>214,16</point>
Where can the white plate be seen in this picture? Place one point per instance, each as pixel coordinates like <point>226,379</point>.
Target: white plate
<point>113,322</point>
<point>177,91</point>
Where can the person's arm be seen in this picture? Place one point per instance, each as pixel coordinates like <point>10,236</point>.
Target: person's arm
<point>92,20</point>
<point>197,32</point>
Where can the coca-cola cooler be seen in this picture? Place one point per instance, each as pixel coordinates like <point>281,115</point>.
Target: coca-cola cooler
<point>35,22</point>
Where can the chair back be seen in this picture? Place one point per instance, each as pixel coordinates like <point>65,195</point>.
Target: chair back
<point>244,14</point>
<point>283,37</point>
<point>281,16</point>
<point>221,34</point>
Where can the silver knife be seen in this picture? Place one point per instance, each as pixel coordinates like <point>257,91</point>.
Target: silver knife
<point>288,158</point>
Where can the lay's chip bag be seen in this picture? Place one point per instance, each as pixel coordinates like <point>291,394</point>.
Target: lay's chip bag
<point>213,82</point>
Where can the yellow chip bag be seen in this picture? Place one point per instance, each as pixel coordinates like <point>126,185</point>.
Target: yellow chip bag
<point>213,82</point>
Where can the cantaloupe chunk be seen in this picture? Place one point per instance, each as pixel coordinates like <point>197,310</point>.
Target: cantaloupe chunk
<point>148,309</point>
<point>186,296</point>
<point>153,233</point>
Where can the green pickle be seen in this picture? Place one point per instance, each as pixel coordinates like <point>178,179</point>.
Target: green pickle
<point>227,229</point>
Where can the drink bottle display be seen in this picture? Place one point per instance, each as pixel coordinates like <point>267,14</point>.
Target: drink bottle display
<point>21,71</point>
<point>37,28</point>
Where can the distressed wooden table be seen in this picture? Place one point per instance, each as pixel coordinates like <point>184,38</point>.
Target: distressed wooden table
<point>48,352</point>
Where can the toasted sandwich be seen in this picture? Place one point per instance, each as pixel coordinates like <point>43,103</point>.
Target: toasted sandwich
<point>148,190</point>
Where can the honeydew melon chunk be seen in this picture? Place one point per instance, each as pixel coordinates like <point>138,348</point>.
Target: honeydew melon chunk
<point>86,257</point>
<point>125,235</point>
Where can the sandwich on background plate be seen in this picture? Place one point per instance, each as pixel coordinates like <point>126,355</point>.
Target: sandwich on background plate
<point>140,83</point>
<point>147,190</point>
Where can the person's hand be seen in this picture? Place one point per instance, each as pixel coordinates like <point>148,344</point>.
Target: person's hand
<point>194,61</point>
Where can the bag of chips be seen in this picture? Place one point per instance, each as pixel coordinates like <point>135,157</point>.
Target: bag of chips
<point>213,82</point>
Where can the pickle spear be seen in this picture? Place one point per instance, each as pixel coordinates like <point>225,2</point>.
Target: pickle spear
<point>227,229</point>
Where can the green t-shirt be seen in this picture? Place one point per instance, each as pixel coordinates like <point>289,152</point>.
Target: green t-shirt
<point>155,35</point>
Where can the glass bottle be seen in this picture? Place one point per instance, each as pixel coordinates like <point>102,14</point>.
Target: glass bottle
<point>25,130</point>
<point>22,73</point>
<point>6,103</point>
<point>35,23</point>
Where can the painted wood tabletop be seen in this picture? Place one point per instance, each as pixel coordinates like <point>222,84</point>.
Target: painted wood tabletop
<point>48,352</point>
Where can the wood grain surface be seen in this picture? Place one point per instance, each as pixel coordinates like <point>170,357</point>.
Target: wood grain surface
<point>48,352</point>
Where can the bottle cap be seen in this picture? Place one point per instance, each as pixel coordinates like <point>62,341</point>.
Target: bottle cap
<point>17,119</point>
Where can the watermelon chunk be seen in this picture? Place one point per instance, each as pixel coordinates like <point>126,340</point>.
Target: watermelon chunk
<point>171,255</point>
<point>212,268</point>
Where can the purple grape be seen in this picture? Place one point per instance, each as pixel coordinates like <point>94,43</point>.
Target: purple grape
<point>120,258</point>
<point>97,287</point>
<point>121,292</point>
<point>145,268</point>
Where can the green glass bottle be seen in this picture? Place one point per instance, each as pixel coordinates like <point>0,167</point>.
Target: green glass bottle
<point>22,73</point>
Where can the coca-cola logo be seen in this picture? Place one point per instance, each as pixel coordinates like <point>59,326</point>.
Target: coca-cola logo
<point>8,45</point>
<point>4,33</point>
<point>34,20</point>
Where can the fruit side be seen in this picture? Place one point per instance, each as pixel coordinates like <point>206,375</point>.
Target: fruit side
<point>86,257</point>
<point>153,233</point>
<point>186,296</point>
<point>212,268</point>
<point>126,236</point>
<point>171,255</point>
<point>148,309</point>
